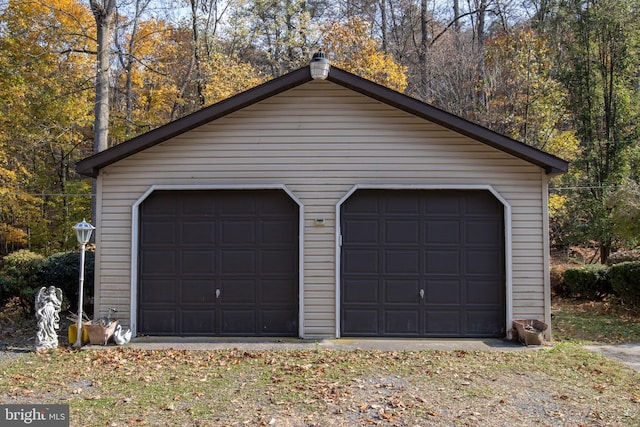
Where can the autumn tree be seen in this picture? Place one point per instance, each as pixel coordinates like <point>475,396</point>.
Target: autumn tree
<point>276,35</point>
<point>526,101</point>
<point>354,50</point>
<point>601,72</point>
<point>46,111</point>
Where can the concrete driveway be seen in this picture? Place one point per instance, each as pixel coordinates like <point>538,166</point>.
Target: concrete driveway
<point>626,353</point>
<point>382,344</point>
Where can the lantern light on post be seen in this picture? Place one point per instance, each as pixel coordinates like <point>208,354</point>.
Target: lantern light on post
<point>319,66</point>
<point>83,234</point>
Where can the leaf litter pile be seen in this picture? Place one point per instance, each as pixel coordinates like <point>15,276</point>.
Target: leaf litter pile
<point>562,385</point>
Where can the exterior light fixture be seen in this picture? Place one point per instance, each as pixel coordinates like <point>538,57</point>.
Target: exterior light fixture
<point>319,66</point>
<point>83,234</point>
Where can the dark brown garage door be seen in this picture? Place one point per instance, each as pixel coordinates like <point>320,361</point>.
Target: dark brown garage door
<point>218,263</point>
<point>422,263</point>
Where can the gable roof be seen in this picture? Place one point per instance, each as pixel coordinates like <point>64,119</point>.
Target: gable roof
<point>91,166</point>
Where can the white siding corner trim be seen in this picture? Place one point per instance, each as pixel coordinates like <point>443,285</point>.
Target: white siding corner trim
<point>135,216</point>
<point>507,237</point>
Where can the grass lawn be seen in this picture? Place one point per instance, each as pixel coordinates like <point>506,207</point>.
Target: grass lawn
<point>561,384</point>
<point>601,322</point>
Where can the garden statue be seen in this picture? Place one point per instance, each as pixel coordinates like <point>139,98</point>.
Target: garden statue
<point>48,305</point>
<point>120,336</point>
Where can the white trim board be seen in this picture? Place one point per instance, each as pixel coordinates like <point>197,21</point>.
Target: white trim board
<point>135,232</point>
<point>507,238</point>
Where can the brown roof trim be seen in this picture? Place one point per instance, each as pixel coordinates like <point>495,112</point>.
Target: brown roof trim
<point>91,166</point>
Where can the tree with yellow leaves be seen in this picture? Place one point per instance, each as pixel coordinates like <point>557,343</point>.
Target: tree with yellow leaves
<point>46,102</point>
<point>353,49</point>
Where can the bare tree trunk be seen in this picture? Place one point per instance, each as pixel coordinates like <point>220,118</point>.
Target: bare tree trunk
<point>127,60</point>
<point>196,54</point>
<point>104,12</point>
<point>383,24</point>
<point>456,15</point>
<point>424,42</point>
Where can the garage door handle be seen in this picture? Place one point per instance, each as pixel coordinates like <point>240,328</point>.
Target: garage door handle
<point>217,293</point>
<point>422,293</point>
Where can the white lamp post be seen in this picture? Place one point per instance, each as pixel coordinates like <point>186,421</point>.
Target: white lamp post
<point>83,234</point>
<point>319,66</point>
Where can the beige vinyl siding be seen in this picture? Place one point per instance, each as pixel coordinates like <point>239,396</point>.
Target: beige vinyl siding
<point>319,140</point>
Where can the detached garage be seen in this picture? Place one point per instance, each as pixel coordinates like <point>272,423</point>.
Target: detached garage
<point>322,208</point>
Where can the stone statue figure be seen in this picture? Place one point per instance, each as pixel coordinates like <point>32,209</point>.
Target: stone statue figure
<point>48,305</point>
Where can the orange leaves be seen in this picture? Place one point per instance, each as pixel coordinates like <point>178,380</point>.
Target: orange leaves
<point>353,49</point>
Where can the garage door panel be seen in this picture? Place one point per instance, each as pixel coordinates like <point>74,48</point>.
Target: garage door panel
<point>442,232</point>
<point>443,323</point>
<point>159,291</point>
<point>158,321</point>
<point>363,231</point>
<point>191,204</point>
<point>448,243</point>
<point>361,261</point>
<point>159,262</point>
<point>487,262</point>
<point>237,205</point>
<point>405,232</point>
<point>482,232</point>
<point>197,291</point>
<point>155,206</point>
<point>197,232</point>
<point>401,291</point>
<point>363,322</point>
<point>360,291</point>
<point>484,292</point>
<point>197,262</point>
<point>402,262</point>
<point>400,205</point>
<point>443,261</point>
<point>159,233</point>
<point>238,291</point>
<point>198,322</point>
<point>403,322</point>
<point>278,206</point>
<point>274,321</point>
<point>443,204</point>
<point>238,232</point>
<point>276,232</point>
<point>239,321</point>
<point>242,243</point>
<point>278,262</point>
<point>238,262</point>
<point>482,203</point>
<point>367,206</point>
<point>443,291</point>
<point>482,323</point>
<point>278,291</point>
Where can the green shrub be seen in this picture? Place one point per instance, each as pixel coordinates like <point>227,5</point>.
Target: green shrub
<point>558,287</point>
<point>21,277</point>
<point>623,256</point>
<point>62,270</point>
<point>26,272</point>
<point>589,281</point>
<point>8,289</point>
<point>625,280</point>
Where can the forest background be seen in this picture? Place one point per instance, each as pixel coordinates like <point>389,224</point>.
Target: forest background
<point>560,75</point>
